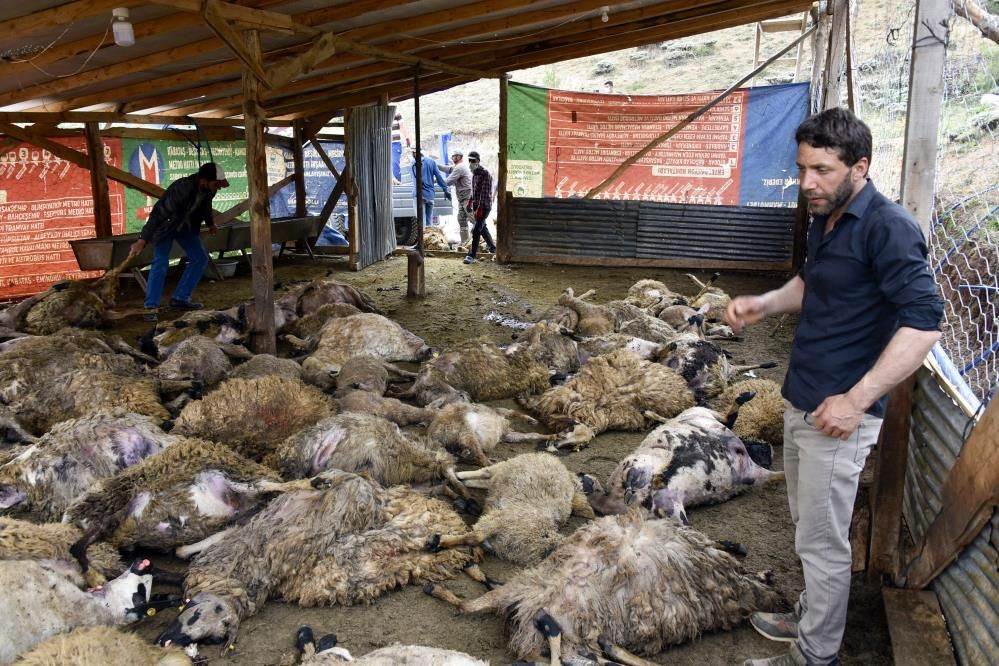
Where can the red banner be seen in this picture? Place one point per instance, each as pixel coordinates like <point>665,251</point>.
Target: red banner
<point>45,202</point>
<point>591,134</point>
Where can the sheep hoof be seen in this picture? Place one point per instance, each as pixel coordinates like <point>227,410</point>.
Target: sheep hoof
<point>467,505</point>
<point>321,483</point>
<point>327,642</point>
<point>732,547</point>
<point>429,589</point>
<point>490,583</point>
<point>546,624</point>
<point>434,546</point>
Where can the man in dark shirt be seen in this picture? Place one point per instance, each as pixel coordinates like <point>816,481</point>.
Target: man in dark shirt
<point>177,216</point>
<point>869,314</point>
<point>479,205</point>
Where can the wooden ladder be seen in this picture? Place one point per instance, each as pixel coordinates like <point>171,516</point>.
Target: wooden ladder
<point>792,24</point>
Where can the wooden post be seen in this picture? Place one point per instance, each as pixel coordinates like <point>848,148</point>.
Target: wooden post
<point>298,152</point>
<point>929,49</point>
<point>889,482</point>
<point>819,50</point>
<point>262,333</point>
<point>416,284</point>
<point>353,235</point>
<point>99,181</point>
<point>503,235</point>
<point>837,54</point>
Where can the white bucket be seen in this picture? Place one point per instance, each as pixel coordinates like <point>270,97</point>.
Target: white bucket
<point>227,267</point>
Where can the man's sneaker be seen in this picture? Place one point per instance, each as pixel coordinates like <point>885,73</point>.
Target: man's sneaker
<point>791,658</point>
<point>150,315</point>
<point>492,250</point>
<point>178,304</point>
<point>781,627</point>
<point>469,260</point>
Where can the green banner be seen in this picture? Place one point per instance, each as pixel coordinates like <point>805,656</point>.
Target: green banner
<point>527,136</point>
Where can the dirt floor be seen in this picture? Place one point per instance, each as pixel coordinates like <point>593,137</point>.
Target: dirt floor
<point>497,300</point>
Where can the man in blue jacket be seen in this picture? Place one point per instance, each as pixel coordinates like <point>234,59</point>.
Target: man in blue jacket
<point>177,216</point>
<point>869,313</point>
<point>431,173</point>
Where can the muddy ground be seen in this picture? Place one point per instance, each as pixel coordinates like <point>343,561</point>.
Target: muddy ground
<point>492,299</point>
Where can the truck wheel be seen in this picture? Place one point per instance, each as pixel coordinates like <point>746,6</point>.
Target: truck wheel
<point>406,231</point>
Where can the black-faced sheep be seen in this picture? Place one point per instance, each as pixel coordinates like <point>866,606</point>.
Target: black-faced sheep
<point>344,337</point>
<point>346,543</point>
<point>47,476</point>
<point>184,494</point>
<point>616,391</point>
<point>471,431</point>
<point>623,581</point>
<point>762,418</point>
<point>223,326</point>
<point>478,370</point>
<point>702,364</point>
<point>529,497</point>
<point>39,600</point>
<point>362,443</point>
<point>253,416</point>
<point>690,460</point>
<point>101,646</point>
<point>21,540</point>
<point>325,652</point>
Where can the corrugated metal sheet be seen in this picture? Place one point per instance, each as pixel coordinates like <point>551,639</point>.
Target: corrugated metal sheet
<point>644,230</point>
<point>370,146</point>
<point>969,588</point>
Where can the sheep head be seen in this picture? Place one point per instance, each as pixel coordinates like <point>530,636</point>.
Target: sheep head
<point>127,596</point>
<point>206,619</point>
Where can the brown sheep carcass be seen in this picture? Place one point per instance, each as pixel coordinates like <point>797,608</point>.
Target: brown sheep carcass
<point>263,365</point>
<point>587,594</point>
<point>361,385</point>
<point>471,431</point>
<point>652,296</point>
<point>762,418</point>
<point>253,416</point>
<point>101,646</point>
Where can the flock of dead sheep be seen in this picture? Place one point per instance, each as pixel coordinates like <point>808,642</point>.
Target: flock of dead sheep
<point>290,478</point>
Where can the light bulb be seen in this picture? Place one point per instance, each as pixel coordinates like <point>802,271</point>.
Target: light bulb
<point>603,13</point>
<point>121,27</point>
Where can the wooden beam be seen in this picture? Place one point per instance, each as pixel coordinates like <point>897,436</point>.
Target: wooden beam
<point>217,22</point>
<point>504,236</point>
<point>699,264</point>
<point>987,23</point>
<point>968,498</point>
<point>112,117</point>
<point>922,120</point>
<point>299,156</point>
<point>248,17</point>
<point>691,118</point>
<point>832,85</point>
<point>232,213</point>
<point>286,71</point>
<point>917,627</point>
<point>820,49</point>
<point>324,157</point>
<point>99,181</point>
<point>78,158</point>
<point>333,198</point>
<point>262,336</point>
<point>61,15</point>
<point>889,481</point>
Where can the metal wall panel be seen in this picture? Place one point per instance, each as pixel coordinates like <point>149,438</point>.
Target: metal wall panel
<point>645,230</point>
<point>969,588</point>
<point>369,136</point>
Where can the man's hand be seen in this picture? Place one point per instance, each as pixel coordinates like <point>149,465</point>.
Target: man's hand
<point>212,229</point>
<point>744,310</point>
<point>447,195</point>
<point>838,416</point>
<point>468,206</point>
<point>136,247</point>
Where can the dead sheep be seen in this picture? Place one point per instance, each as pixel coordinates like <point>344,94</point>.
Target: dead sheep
<point>347,542</point>
<point>551,345</point>
<point>253,416</point>
<point>325,652</point>
<point>21,540</point>
<point>472,431</point>
<point>64,463</point>
<point>760,419</point>
<point>39,600</point>
<point>344,337</point>
<point>703,365</point>
<point>223,326</point>
<point>529,497</point>
<point>690,460</point>
<point>101,646</point>
<point>478,370</point>
<point>322,291</point>
<point>616,391</point>
<point>597,345</point>
<point>369,373</point>
<point>435,240</point>
<point>714,298</point>
<point>362,443</point>
<point>12,431</point>
<point>621,583</point>
<point>361,385</point>
<point>310,324</point>
<point>202,359</point>
<point>391,409</point>
<point>184,494</point>
<point>263,365</point>
<point>77,303</point>
<point>652,296</point>
<point>600,319</point>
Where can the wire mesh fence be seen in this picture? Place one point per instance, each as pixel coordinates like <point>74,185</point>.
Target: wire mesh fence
<point>964,234</point>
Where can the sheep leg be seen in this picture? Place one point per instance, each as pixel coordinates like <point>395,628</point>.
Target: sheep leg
<point>397,374</point>
<point>475,474</point>
<point>547,625</point>
<point>523,437</point>
<point>319,482</point>
<point>622,656</point>
<point>581,506</point>
<point>190,550</point>
<point>514,414</point>
<point>456,482</point>
<point>175,385</point>
<point>438,543</point>
<point>438,592</point>
<point>475,572</point>
<point>652,416</point>
<point>298,343</point>
<point>736,369</point>
<point>776,477</point>
<point>580,435</point>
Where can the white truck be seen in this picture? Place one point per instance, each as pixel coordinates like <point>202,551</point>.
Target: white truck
<point>404,207</point>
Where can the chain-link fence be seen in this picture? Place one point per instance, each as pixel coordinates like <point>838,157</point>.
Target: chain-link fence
<point>964,235</point>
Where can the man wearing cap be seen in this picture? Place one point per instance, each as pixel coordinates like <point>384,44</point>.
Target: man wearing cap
<point>460,176</point>
<point>479,205</point>
<point>177,216</point>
